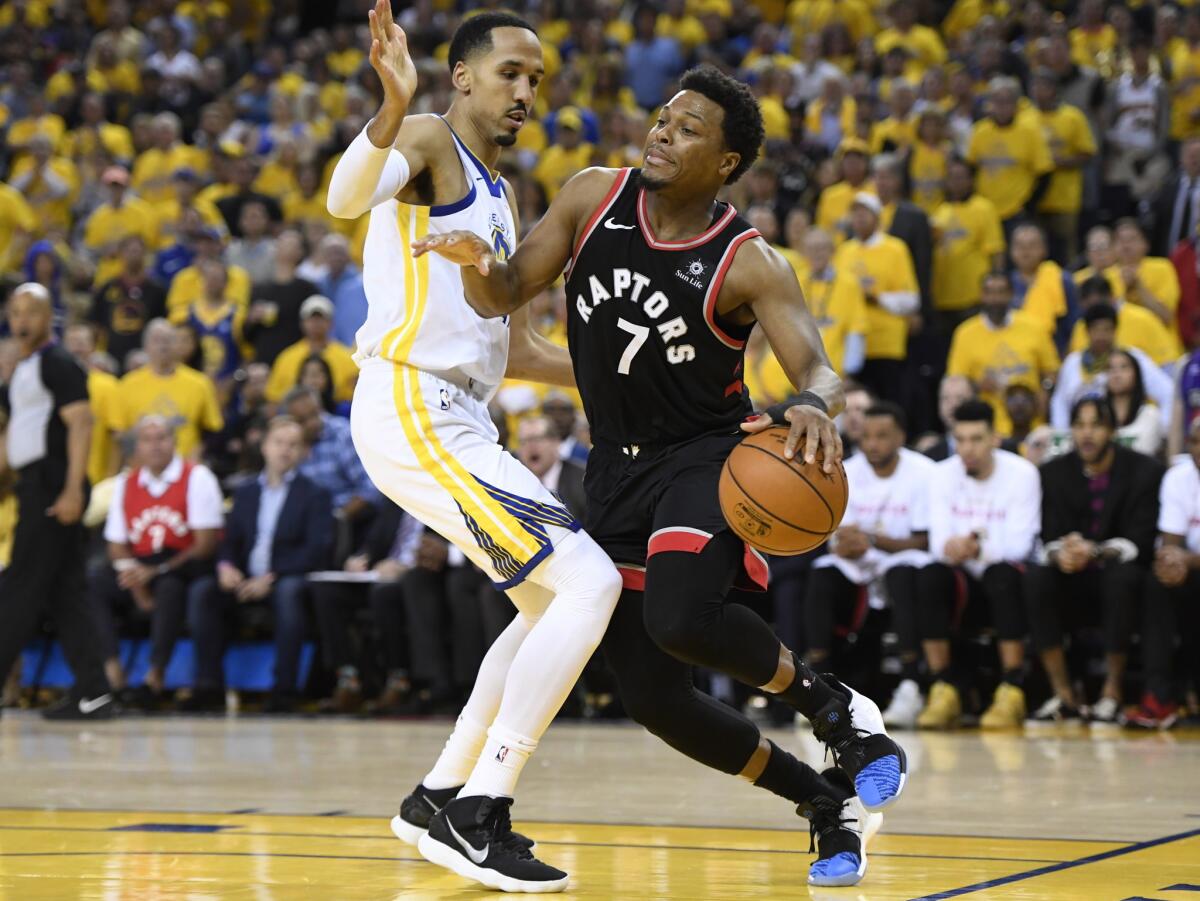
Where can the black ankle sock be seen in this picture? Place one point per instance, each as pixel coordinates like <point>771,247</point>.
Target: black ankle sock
<point>808,692</point>
<point>798,782</point>
<point>910,669</point>
<point>1015,676</point>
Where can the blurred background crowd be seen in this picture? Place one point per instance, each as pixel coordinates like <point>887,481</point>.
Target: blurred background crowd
<point>992,200</point>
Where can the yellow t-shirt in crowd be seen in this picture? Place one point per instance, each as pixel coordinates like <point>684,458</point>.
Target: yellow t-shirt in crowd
<point>927,172</point>
<point>16,215</point>
<point>22,131</point>
<point>966,14</point>
<point>1088,45</point>
<point>901,133</point>
<point>285,371</point>
<point>276,180</point>
<point>833,206</point>
<point>685,29</point>
<point>847,117</point>
<point>966,237</point>
<point>765,379</point>
<point>1136,327</point>
<point>1068,134</point>
<point>886,261</point>
<point>1016,353</point>
<point>1010,159</point>
<point>154,168</point>
<point>1160,278</point>
<point>122,78</point>
<point>921,41</point>
<point>170,213</point>
<point>50,211</point>
<point>558,164</point>
<point>83,141</point>
<point>188,287</point>
<point>836,302</point>
<point>103,401</point>
<point>186,397</point>
<point>1185,91</point>
<point>108,225</point>
<point>812,16</point>
<point>777,124</point>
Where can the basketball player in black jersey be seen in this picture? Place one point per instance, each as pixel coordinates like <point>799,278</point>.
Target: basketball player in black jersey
<point>664,284</point>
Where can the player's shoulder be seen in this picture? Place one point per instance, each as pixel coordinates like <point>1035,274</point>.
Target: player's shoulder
<point>1015,464</point>
<point>594,183</point>
<point>916,462</point>
<point>755,257</point>
<point>425,130</point>
<point>1181,479</point>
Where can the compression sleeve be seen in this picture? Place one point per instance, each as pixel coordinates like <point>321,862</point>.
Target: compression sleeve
<point>365,177</point>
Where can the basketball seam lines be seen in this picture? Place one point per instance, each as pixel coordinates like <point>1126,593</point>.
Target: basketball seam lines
<point>750,497</point>
<point>825,503</point>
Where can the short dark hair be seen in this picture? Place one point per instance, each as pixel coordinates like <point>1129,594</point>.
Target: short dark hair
<point>1000,274</point>
<point>1099,312</point>
<point>888,408</point>
<point>1096,284</point>
<point>1102,405</point>
<point>743,124</point>
<point>975,411</point>
<point>474,35</point>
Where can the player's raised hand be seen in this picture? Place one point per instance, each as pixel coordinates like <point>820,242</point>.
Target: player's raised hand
<point>389,55</point>
<point>462,247</point>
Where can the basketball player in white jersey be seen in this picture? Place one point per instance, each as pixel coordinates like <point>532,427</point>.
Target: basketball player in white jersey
<point>421,426</point>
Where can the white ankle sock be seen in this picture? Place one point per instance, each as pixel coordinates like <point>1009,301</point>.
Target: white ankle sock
<point>459,755</point>
<point>504,756</point>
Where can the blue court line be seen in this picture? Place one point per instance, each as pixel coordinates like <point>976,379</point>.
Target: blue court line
<point>1057,867</point>
<point>1181,887</point>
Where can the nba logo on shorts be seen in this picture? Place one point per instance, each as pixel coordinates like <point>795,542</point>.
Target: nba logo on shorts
<point>501,754</point>
<point>445,398</point>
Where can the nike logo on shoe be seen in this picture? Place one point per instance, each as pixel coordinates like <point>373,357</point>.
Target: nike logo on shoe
<point>615,226</point>
<point>86,706</point>
<point>477,857</point>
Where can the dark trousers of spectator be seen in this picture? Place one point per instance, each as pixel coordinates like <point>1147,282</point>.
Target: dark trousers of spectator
<point>445,630</point>
<point>167,620</point>
<point>1062,236</point>
<point>1053,599</point>
<point>48,575</point>
<point>334,605</point>
<point>208,613</point>
<point>833,601</point>
<point>887,379</point>
<point>789,585</point>
<point>942,607</point>
<point>1171,637</point>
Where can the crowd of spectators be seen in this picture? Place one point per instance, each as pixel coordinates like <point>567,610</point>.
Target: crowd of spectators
<point>993,209</point>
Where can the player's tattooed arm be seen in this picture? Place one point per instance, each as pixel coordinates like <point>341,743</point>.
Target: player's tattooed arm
<point>763,282</point>
<point>499,287</point>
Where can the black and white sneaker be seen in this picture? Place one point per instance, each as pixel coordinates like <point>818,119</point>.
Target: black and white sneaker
<point>851,726</point>
<point>473,837</point>
<point>75,707</point>
<point>839,830</point>
<point>1055,712</point>
<point>418,809</point>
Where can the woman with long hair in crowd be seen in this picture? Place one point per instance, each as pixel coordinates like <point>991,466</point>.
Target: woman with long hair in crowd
<point>1139,422</point>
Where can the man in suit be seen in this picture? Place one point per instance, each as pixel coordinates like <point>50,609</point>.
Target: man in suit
<point>280,529</point>
<point>1099,517</point>
<point>1173,215</point>
<point>538,448</point>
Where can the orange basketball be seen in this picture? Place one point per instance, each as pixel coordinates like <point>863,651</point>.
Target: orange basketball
<point>780,506</point>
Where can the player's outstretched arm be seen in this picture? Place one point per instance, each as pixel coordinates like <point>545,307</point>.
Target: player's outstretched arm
<point>390,150</point>
<point>768,284</point>
<point>499,287</point>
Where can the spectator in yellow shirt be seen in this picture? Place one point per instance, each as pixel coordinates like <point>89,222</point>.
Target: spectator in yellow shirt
<point>188,285</point>
<point>165,387</point>
<point>1011,155</point>
<point>1000,348</point>
<point>968,243</point>
<point>95,132</point>
<point>186,185</point>
<point>567,155</point>
<point>122,215</point>
<point>1149,282</point>
<point>836,301</point>
<point>104,457</point>
<point>1136,326</point>
<point>883,267</point>
<point>833,206</point>
<point>154,167</point>
<point>898,131</point>
<point>922,42</point>
<point>316,321</point>
<point>1072,147</point>
<point>108,74</point>
<point>928,160</point>
<point>1040,288</point>
<point>50,183</point>
<point>17,225</point>
<point>1100,254</point>
<point>832,117</point>
<point>1093,40</point>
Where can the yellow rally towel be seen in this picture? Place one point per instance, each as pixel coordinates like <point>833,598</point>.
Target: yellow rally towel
<point>1046,301</point>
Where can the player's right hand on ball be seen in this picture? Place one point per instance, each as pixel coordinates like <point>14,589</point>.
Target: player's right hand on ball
<point>810,429</point>
<point>389,55</point>
<point>462,247</point>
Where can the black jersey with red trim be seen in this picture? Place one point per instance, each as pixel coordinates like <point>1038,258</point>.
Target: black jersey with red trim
<point>653,361</point>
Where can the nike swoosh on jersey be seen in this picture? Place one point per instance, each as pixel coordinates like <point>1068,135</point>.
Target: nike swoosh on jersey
<point>86,706</point>
<point>608,223</point>
<point>477,857</point>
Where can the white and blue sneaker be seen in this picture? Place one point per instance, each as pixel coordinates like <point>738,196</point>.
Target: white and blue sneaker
<point>851,726</point>
<point>839,831</point>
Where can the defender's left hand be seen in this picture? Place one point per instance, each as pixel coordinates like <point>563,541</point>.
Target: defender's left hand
<point>808,426</point>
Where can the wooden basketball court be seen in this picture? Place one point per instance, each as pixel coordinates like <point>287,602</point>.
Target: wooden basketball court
<point>275,810</point>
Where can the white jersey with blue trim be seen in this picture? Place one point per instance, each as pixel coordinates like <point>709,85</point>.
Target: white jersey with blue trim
<point>417,312</point>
